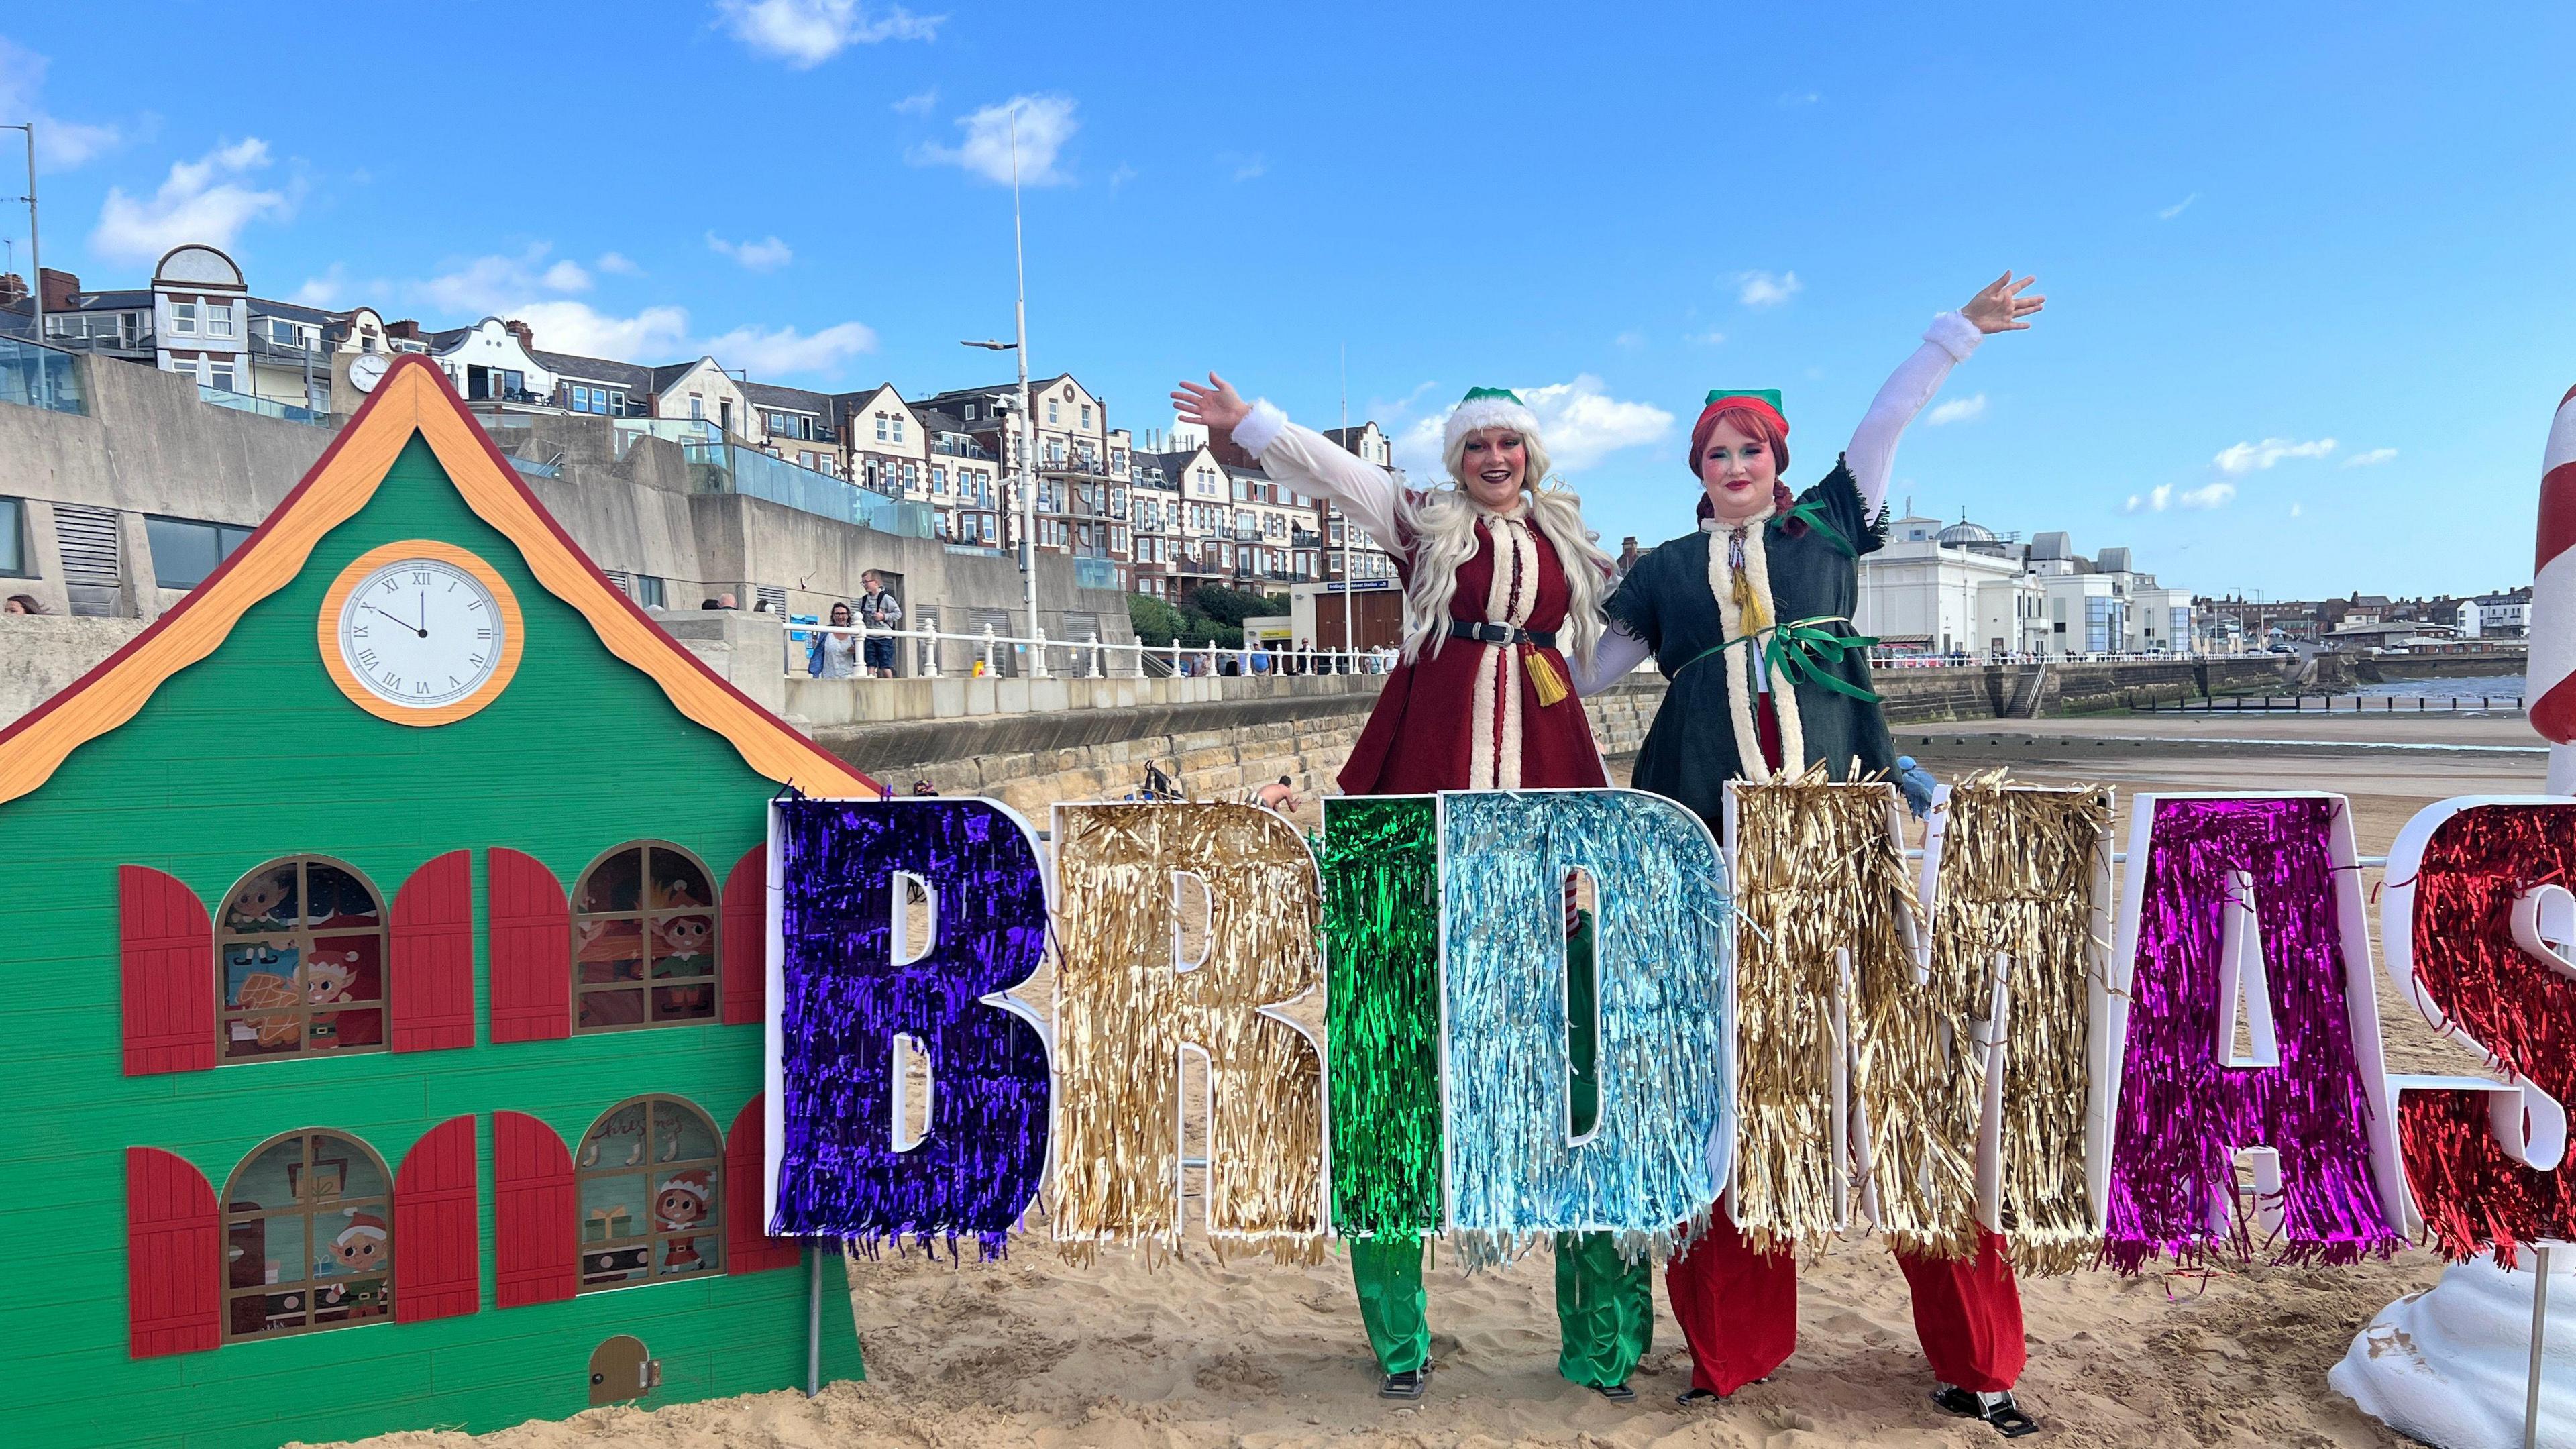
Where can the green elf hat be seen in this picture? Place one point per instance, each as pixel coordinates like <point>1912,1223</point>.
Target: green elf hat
<point>1487,407</point>
<point>1761,401</point>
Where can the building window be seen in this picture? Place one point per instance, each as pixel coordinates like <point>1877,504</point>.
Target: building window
<point>649,591</point>
<point>650,1185</point>
<point>302,951</point>
<point>881,427</point>
<point>13,538</point>
<point>308,1238</point>
<point>284,333</point>
<point>183,318</point>
<point>185,551</point>
<point>898,427</point>
<point>219,319</point>
<point>644,940</point>
<point>697,406</point>
<point>1051,410</point>
<point>1086,415</point>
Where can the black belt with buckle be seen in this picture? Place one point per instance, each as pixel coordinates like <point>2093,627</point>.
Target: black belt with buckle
<point>1501,634</point>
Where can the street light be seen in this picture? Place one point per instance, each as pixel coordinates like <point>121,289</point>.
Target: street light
<point>35,255</point>
<point>1028,420</point>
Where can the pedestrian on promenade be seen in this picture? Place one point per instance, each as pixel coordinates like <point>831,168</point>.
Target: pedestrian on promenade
<point>834,656</point>
<point>878,609</point>
<point>1499,571</point>
<point>1745,703</point>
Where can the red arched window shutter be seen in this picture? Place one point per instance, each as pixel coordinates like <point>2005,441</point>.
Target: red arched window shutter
<point>747,1248</point>
<point>174,1254</point>
<point>531,949</point>
<point>432,985</point>
<point>536,1246</point>
<point>436,1272</point>
<point>167,955</point>
<point>746,939</point>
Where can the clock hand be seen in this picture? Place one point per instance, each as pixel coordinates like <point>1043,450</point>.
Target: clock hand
<point>423,601</point>
<point>406,623</point>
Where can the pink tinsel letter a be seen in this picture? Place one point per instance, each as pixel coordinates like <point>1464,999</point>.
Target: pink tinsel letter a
<point>2242,923</point>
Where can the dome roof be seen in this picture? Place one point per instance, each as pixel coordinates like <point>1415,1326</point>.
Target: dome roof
<point>1963,532</point>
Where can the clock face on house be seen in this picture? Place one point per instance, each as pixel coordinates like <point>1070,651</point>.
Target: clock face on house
<point>420,632</point>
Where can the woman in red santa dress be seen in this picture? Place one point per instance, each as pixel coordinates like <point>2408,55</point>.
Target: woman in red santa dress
<point>1502,586</point>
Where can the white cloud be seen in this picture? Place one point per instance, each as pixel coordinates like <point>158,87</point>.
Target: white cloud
<point>769,353</point>
<point>616,264</point>
<point>1629,341</point>
<point>2178,208</point>
<point>1762,289</point>
<point>1046,123</point>
<point>919,103</point>
<point>60,144</point>
<point>1958,410</point>
<point>1790,99</point>
<point>1245,167</point>
<point>326,290</point>
<point>1581,423</point>
<point>205,200</point>
<point>1707,339</point>
<point>1120,177</point>
<point>577,327</point>
<point>806,33</point>
<point>2156,500</point>
<point>2298,509</point>
<point>2213,495</point>
<point>2243,458</point>
<point>759,256</point>
<point>2371,459</point>
<point>490,286</point>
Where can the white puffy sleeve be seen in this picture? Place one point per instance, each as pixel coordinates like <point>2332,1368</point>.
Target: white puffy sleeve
<point>1613,659</point>
<point>1313,463</point>
<point>1872,454</point>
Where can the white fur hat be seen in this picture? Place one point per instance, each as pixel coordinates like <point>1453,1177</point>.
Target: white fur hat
<point>1487,407</point>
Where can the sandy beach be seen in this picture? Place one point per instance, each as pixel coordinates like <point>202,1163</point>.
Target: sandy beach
<point>1192,1353</point>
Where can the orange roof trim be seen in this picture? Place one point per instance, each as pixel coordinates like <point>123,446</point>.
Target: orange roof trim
<point>413,397</point>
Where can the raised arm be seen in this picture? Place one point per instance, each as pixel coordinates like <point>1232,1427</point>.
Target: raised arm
<point>1999,307</point>
<point>1299,456</point>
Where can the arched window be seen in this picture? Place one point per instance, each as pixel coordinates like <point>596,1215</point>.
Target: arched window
<point>301,948</point>
<point>643,940</point>
<point>308,1238</point>
<point>651,1189</point>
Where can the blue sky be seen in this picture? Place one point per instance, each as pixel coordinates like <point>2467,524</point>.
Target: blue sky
<point>2311,300</point>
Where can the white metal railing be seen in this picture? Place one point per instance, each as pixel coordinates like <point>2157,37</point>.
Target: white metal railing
<point>934,653</point>
<point>1899,659</point>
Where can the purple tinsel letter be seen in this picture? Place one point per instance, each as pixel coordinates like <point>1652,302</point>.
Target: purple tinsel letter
<point>846,999</point>
<point>2307,1086</point>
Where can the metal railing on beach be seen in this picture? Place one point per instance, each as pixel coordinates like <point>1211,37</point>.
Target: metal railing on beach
<point>939,653</point>
<point>2331,704</point>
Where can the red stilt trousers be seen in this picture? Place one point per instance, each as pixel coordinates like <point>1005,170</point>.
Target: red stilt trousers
<point>1739,1312</point>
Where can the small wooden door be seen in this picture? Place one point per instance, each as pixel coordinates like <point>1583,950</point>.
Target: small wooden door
<point>620,1369</point>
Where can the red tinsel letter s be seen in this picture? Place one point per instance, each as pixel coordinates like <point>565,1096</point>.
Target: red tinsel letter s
<point>2476,921</point>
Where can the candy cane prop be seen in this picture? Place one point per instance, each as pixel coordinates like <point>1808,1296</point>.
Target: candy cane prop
<point>2553,603</point>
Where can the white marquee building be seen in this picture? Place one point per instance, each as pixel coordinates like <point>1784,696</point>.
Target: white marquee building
<point>1960,588</point>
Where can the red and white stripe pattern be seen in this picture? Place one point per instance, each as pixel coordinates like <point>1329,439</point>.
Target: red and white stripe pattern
<point>2553,586</point>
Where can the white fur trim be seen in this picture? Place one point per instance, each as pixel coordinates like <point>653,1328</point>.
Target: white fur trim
<point>1954,334</point>
<point>1743,655</point>
<point>1485,412</point>
<point>1256,433</point>
<point>1496,716</point>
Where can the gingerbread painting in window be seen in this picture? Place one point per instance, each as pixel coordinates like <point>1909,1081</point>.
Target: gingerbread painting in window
<point>644,940</point>
<point>650,1176</point>
<point>308,1238</point>
<point>301,945</point>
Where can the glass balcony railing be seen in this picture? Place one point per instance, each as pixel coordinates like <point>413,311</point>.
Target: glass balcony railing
<point>40,377</point>
<point>733,468</point>
<point>1094,573</point>
<point>242,402</point>
<point>670,430</point>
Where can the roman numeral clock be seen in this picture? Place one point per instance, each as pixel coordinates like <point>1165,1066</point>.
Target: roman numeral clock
<point>420,632</point>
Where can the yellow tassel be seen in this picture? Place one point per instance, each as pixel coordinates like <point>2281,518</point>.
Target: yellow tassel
<point>1754,611</point>
<point>1544,680</point>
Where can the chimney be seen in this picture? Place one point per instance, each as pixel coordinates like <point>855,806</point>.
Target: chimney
<point>13,288</point>
<point>59,287</point>
<point>527,335</point>
<point>406,329</point>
